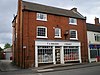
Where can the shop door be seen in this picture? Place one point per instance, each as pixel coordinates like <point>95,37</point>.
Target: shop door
<point>98,53</point>
<point>57,55</point>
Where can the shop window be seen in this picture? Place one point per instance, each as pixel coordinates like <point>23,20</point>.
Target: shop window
<point>41,32</point>
<point>73,35</point>
<point>72,21</point>
<point>71,53</point>
<point>94,52</point>
<point>42,16</point>
<point>57,33</point>
<point>45,54</point>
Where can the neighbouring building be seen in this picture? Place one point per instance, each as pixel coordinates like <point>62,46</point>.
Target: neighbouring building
<point>8,53</point>
<point>93,35</point>
<point>45,35</point>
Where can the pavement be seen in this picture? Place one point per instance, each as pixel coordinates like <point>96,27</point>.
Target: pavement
<point>61,67</point>
<point>6,65</point>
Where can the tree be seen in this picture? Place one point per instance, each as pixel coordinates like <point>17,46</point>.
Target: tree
<point>1,49</point>
<point>1,52</point>
<point>7,45</point>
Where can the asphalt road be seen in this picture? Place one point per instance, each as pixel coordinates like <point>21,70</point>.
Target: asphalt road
<point>95,70</point>
<point>82,71</point>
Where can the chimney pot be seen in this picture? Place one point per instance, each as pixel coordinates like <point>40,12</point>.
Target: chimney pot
<point>74,9</point>
<point>97,21</point>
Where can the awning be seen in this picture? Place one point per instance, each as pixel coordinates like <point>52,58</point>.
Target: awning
<point>94,45</point>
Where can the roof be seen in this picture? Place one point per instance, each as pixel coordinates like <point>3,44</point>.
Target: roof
<point>14,18</point>
<point>93,27</point>
<point>7,50</point>
<point>51,10</point>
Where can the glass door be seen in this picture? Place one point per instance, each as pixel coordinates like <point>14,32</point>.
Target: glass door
<point>57,55</point>
<point>98,52</point>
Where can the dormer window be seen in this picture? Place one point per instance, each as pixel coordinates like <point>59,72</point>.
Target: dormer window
<point>42,16</point>
<point>73,21</point>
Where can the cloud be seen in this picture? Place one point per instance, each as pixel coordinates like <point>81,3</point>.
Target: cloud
<point>2,45</point>
<point>5,38</point>
<point>7,9</point>
<point>5,26</point>
<point>90,8</point>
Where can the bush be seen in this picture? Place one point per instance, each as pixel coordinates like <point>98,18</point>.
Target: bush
<point>2,56</point>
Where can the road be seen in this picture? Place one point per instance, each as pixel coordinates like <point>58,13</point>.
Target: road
<point>82,71</point>
<point>95,70</point>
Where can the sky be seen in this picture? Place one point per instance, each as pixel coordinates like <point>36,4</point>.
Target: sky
<point>8,8</point>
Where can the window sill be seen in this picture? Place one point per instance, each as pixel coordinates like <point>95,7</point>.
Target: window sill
<point>73,23</point>
<point>57,37</point>
<point>41,37</point>
<point>41,20</point>
<point>73,38</point>
<point>97,41</point>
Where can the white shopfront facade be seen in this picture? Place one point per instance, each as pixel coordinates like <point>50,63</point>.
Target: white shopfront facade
<point>56,52</point>
<point>93,46</point>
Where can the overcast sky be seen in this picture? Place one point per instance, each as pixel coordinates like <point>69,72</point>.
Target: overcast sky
<point>88,8</point>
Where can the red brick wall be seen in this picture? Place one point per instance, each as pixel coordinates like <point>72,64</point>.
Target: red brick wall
<point>29,32</point>
<point>26,35</point>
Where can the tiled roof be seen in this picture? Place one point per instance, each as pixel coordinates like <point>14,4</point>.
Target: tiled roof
<point>93,27</point>
<point>51,10</point>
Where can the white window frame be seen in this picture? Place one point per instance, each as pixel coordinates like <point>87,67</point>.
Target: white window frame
<point>44,16</point>
<point>76,35</point>
<point>97,37</point>
<point>58,35</point>
<point>71,53</point>
<point>93,49</point>
<point>74,21</point>
<point>45,32</point>
<point>45,54</point>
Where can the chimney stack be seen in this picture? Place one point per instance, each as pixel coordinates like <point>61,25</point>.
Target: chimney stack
<point>74,9</point>
<point>97,21</point>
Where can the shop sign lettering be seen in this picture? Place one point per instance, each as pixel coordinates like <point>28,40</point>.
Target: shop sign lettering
<point>67,43</point>
<point>53,43</point>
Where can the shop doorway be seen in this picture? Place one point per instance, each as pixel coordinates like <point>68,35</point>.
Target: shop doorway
<point>57,55</point>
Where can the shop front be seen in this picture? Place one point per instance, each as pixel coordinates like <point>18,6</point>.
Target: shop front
<point>94,52</point>
<point>56,52</point>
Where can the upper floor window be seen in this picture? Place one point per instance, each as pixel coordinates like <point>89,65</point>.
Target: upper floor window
<point>73,21</point>
<point>42,16</point>
<point>41,32</point>
<point>73,34</point>
<point>57,33</point>
<point>97,37</point>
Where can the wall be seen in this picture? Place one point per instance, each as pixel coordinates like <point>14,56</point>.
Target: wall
<point>29,33</point>
<point>8,55</point>
<point>91,38</point>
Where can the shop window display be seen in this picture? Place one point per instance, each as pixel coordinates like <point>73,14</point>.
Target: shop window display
<point>45,54</point>
<point>94,52</point>
<point>71,53</point>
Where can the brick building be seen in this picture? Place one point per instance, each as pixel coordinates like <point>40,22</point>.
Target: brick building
<point>45,35</point>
